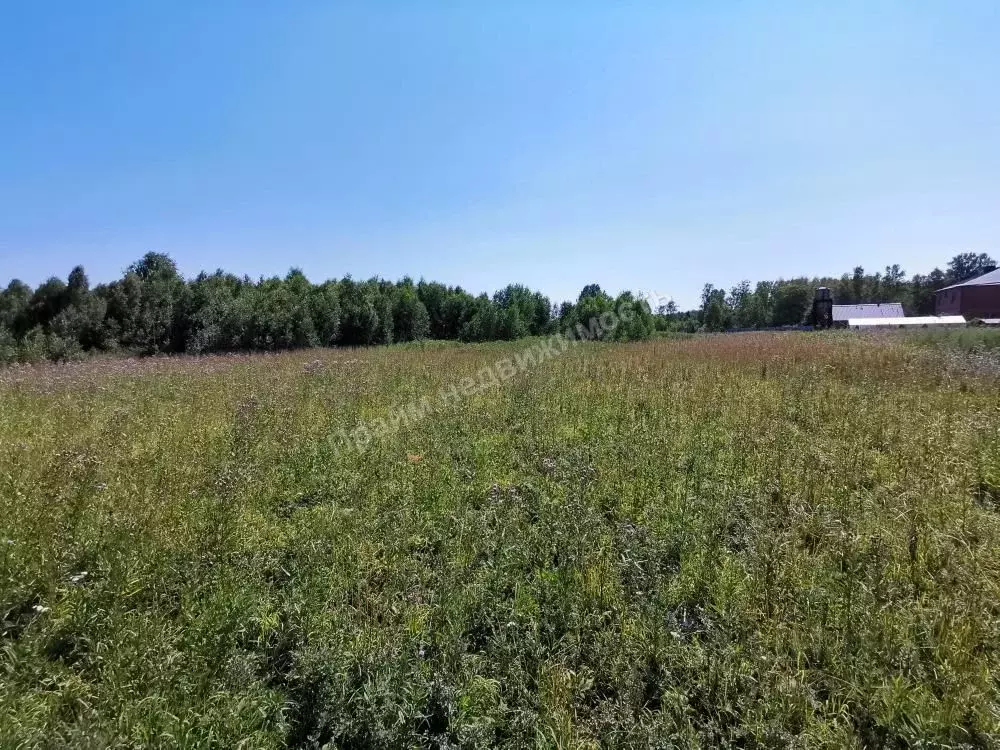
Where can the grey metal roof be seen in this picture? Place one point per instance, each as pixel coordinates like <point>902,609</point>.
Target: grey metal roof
<point>877,310</point>
<point>987,279</point>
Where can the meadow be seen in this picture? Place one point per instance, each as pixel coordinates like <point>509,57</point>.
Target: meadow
<point>755,540</point>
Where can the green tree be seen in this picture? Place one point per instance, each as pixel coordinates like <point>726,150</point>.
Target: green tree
<point>458,308</point>
<point>527,312</point>
<point>592,303</point>
<point>383,296</point>
<point>48,300</point>
<point>484,322</point>
<point>83,323</point>
<point>715,313</point>
<point>740,301</point>
<point>635,319</point>
<point>210,314</point>
<point>146,309</point>
<point>14,308</point>
<point>434,297</point>
<point>325,308</point>
<point>965,266</point>
<point>858,285</point>
<point>359,318</point>
<point>792,303</point>
<point>893,283</point>
<point>77,287</point>
<point>510,324</point>
<point>8,346</point>
<point>410,317</point>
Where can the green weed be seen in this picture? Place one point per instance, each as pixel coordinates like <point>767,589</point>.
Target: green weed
<point>754,540</point>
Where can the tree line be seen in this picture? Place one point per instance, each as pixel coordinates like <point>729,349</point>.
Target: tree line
<point>788,302</point>
<point>152,309</point>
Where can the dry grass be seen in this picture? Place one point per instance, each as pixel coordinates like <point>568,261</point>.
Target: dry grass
<point>729,540</point>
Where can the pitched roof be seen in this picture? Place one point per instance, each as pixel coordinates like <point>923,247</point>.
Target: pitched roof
<point>878,310</point>
<point>987,279</point>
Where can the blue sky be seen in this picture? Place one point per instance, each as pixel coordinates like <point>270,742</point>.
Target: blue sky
<point>651,146</point>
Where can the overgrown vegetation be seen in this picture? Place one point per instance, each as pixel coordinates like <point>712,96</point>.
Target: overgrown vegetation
<point>152,310</point>
<point>756,540</point>
<point>971,339</point>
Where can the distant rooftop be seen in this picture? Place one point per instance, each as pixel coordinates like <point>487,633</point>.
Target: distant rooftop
<point>987,279</point>
<point>843,313</point>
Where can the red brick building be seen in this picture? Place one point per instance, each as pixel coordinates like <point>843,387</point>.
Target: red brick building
<point>975,298</point>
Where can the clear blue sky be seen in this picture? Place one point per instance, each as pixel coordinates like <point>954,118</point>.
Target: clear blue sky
<point>652,146</point>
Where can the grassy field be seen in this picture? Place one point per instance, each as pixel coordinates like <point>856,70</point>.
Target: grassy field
<point>972,339</point>
<point>746,540</point>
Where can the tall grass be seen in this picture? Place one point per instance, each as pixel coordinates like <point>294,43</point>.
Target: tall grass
<point>748,540</point>
<point>971,339</point>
